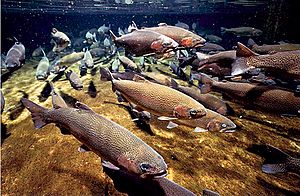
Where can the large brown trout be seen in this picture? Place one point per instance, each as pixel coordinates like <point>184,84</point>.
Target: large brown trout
<point>109,140</point>
<point>159,99</point>
<point>284,62</point>
<point>267,98</point>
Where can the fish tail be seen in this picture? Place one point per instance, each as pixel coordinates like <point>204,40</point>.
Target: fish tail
<point>251,42</point>
<point>105,74</point>
<point>173,84</point>
<point>37,112</point>
<point>205,82</point>
<point>276,162</point>
<point>223,30</point>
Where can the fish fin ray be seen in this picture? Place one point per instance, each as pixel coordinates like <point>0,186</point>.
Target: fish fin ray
<point>109,165</point>
<point>200,130</point>
<point>165,118</point>
<point>244,51</point>
<point>172,125</point>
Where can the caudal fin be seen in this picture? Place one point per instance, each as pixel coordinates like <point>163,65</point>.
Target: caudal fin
<point>276,162</point>
<point>223,30</point>
<point>37,112</point>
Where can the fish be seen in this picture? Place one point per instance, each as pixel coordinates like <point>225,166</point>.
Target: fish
<point>133,185</point>
<point>61,40</point>
<point>160,100</point>
<point>90,37</point>
<point>211,47</point>
<point>98,52</point>
<point>267,49</point>
<point>115,65</point>
<point>42,70</point>
<point>15,57</point>
<point>57,100</point>
<point>120,32</point>
<point>16,110</point>
<point>106,42</point>
<point>286,63</point>
<point>2,101</point>
<point>182,25</point>
<point>207,100</point>
<point>118,147</point>
<point>142,42</point>
<point>215,69</point>
<point>276,161</point>
<point>213,38</point>
<point>226,57</point>
<point>37,53</point>
<point>46,92</point>
<point>267,98</point>
<point>212,121</point>
<point>183,37</point>
<point>74,79</point>
<point>129,64</point>
<point>64,62</point>
<point>242,31</point>
<point>104,29</point>
<point>178,71</point>
<point>92,91</point>
<point>87,60</point>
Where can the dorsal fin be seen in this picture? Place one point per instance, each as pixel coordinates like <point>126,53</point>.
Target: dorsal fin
<point>83,106</point>
<point>243,51</point>
<point>162,24</point>
<point>138,78</point>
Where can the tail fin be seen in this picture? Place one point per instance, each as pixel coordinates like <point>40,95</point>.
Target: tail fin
<point>105,74</point>
<point>57,100</point>
<point>223,30</point>
<point>174,84</point>
<point>251,43</point>
<point>37,112</point>
<point>205,82</point>
<point>278,163</point>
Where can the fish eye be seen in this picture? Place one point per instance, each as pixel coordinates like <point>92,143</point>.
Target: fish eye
<point>193,112</point>
<point>145,167</point>
<point>165,44</point>
<point>223,125</point>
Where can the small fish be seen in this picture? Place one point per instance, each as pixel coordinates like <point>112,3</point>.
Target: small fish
<point>91,37</point>
<point>276,161</point>
<point>182,36</point>
<point>104,29</point>
<point>178,71</point>
<point>129,64</point>
<point>224,57</point>
<point>15,57</point>
<point>242,31</point>
<point>158,99</point>
<point>142,42</point>
<point>106,42</point>
<point>37,53</point>
<point>286,63</point>
<point>45,93</point>
<point>64,62</point>
<point>213,39</point>
<point>266,98</point>
<point>182,25</point>
<point>120,32</point>
<point>117,146</point>
<point>42,70</point>
<point>61,40</point>
<point>268,49</point>
<point>115,65</point>
<point>74,79</point>
<point>211,47</point>
<point>92,91</point>
<point>16,110</point>
<point>208,100</point>
<point>87,60</point>
<point>57,100</point>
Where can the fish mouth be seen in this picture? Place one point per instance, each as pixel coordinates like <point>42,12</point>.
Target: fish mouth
<point>229,129</point>
<point>160,174</point>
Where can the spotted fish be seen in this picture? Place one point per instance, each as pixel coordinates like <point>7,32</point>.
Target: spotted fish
<point>117,146</point>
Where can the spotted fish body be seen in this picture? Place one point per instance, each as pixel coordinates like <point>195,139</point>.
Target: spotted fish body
<point>141,42</point>
<point>15,56</point>
<point>155,98</point>
<point>283,62</point>
<point>182,36</point>
<point>268,98</point>
<point>265,49</point>
<point>107,139</point>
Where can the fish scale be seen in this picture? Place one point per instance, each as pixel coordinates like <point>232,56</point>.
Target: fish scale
<point>155,98</point>
<point>98,133</point>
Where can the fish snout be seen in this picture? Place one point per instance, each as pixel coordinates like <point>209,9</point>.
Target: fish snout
<point>152,171</point>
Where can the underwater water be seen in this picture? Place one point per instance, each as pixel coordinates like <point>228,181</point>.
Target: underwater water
<point>46,162</point>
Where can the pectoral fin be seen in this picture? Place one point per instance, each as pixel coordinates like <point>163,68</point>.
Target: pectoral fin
<point>172,125</point>
<point>109,165</point>
<point>200,130</point>
<point>83,148</point>
<point>166,118</point>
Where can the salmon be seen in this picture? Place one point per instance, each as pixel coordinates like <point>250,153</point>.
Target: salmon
<point>159,99</point>
<point>182,36</point>
<point>141,42</point>
<point>117,146</point>
<point>286,63</point>
<point>266,98</point>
